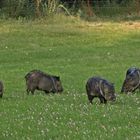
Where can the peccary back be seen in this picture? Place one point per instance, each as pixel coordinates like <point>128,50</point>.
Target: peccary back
<point>101,88</point>
<point>132,80</point>
<point>35,73</point>
<point>39,80</point>
<point>1,89</point>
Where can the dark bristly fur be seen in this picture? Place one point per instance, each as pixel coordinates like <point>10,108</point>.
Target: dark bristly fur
<point>101,88</point>
<point>132,80</point>
<point>38,80</point>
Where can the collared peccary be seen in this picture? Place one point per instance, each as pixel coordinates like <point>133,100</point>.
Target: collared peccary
<point>101,88</point>
<point>132,80</point>
<point>39,80</point>
<point>1,89</point>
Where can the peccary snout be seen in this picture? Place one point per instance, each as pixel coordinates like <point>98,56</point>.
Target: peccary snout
<point>57,84</point>
<point>112,98</point>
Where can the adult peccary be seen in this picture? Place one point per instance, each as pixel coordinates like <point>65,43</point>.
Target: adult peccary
<point>101,88</point>
<point>39,80</point>
<point>132,80</point>
<point>1,89</point>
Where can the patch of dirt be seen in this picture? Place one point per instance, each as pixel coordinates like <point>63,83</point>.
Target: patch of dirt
<point>133,25</point>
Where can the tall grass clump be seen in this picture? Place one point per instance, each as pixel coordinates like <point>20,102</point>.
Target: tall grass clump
<point>36,9</point>
<point>52,7</point>
<point>31,9</point>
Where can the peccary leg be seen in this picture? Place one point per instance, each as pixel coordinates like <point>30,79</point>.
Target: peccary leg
<point>27,91</point>
<point>46,92</point>
<point>90,98</point>
<point>31,89</point>
<point>0,95</point>
<point>32,92</point>
<point>102,100</point>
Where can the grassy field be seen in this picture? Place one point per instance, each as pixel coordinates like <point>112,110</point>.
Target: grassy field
<point>75,51</point>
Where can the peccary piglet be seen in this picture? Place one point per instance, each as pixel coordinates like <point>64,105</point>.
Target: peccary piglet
<point>1,89</point>
<point>38,80</point>
<point>132,80</point>
<point>101,88</point>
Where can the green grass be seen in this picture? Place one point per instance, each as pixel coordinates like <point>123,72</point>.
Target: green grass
<point>75,51</point>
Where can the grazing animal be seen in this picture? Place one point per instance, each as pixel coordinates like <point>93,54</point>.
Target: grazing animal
<point>101,88</point>
<point>132,80</point>
<point>38,80</point>
<point>1,89</point>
